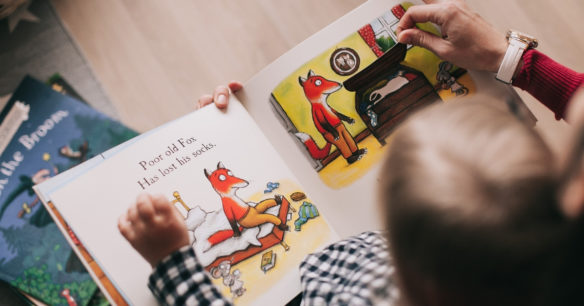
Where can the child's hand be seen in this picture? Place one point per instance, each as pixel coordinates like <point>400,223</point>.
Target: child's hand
<point>220,96</point>
<point>154,228</point>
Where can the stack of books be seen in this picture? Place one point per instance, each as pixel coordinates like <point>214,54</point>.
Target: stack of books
<point>45,129</point>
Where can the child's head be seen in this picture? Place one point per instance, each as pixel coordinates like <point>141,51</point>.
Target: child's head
<point>469,194</point>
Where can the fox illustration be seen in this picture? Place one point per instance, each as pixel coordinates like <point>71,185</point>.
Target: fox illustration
<point>238,212</point>
<point>327,120</point>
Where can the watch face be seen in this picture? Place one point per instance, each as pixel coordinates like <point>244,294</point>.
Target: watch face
<point>526,38</point>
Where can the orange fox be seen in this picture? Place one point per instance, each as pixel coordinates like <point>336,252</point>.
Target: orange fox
<point>237,210</point>
<point>327,120</point>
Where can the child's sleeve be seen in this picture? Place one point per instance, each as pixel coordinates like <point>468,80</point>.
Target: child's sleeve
<point>179,279</point>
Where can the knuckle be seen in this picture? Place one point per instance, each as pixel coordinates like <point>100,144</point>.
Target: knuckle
<point>452,5</point>
<point>146,212</point>
<point>418,38</point>
<point>159,200</point>
<point>450,9</point>
<point>141,206</point>
<point>443,52</point>
<point>160,203</point>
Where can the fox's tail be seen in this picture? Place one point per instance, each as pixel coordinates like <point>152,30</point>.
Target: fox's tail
<point>315,151</point>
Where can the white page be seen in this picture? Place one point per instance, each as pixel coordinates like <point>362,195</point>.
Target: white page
<point>354,208</point>
<point>92,202</point>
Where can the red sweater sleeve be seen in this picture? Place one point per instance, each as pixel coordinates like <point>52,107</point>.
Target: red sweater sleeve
<point>548,81</point>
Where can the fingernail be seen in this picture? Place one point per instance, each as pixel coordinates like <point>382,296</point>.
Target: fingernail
<point>221,100</point>
<point>400,38</point>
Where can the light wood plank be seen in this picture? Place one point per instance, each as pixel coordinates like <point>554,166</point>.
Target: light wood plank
<point>155,58</point>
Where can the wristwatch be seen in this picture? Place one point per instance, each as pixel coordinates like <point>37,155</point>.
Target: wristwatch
<point>518,43</point>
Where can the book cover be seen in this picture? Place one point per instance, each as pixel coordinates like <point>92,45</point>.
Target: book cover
<point>42,134</point>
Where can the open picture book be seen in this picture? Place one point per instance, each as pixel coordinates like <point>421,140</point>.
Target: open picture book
<point>305,145</point>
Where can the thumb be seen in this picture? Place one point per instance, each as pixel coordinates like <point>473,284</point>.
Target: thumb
<point>417,37</point>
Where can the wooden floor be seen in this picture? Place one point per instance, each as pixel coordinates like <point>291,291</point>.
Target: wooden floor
<point>155,58</point>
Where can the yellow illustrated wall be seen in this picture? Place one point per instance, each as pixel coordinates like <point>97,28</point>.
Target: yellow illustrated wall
<point>290,95</point>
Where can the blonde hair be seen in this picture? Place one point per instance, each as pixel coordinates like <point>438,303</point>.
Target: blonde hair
<point>469,194</point>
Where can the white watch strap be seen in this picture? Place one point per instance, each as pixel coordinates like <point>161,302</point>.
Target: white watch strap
<point>511,60</point>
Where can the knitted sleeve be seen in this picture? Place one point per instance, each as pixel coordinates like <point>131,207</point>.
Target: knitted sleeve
<point>548,81</point>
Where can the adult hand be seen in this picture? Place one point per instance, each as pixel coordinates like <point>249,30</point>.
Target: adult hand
<point>220,96</point>
<point>467,40</point>
<point>154,228</point>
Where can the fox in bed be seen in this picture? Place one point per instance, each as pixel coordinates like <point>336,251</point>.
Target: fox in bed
<point>327,120</point>
<point>238,212</point>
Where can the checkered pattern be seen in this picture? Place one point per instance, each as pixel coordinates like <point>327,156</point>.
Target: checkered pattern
<point>355,271</point>
<point>181,280</point>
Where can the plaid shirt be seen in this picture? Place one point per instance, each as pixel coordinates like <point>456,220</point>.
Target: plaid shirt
<point>355,271</point>
<point>181,280</point>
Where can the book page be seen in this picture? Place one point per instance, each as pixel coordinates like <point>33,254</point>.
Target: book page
<point>193,161</point>
<point>330,105</point>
